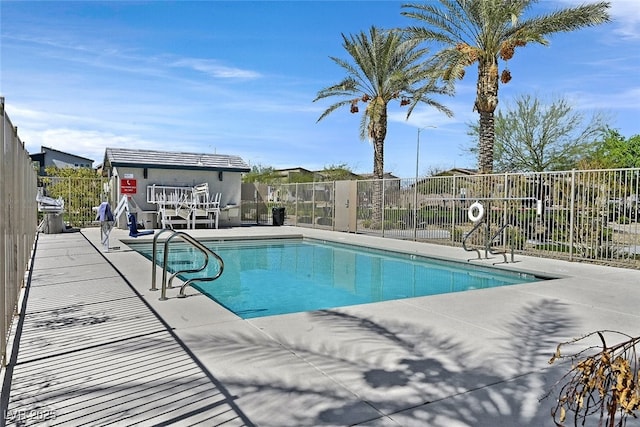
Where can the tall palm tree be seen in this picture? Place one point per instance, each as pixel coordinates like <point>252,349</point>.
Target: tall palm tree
<point>482,31</point>
<point>385,67</point>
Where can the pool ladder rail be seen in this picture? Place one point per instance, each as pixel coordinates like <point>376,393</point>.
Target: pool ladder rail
<point>488,247</point>
<point>208,253</point>
<point>493,251</point>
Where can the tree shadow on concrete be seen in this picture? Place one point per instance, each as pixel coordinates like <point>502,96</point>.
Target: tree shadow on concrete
<point>404,372</point>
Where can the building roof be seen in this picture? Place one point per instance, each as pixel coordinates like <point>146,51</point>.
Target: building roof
<point>457,171</point>
<point>173,160</point>
<point>387,175</point>
<point>44,150</point>
<point>286,171</point>
<point>321,174</point>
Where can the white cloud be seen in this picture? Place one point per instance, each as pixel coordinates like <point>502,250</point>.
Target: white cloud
<point>424,116</point>
<point>625,100</point>
<point>89,144</point>
<point>216,70</point>
<point>627,14</point>
<point>624,13</point>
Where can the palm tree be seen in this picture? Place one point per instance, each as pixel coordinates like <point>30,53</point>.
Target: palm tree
<point>385,67</point>
<point>470,31</point>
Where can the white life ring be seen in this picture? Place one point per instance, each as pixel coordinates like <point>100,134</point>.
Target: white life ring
<point>476,212</point>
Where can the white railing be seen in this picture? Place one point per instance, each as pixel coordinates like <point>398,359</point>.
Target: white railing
<point>185,205</point>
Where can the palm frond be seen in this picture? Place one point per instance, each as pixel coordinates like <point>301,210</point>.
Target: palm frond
<point>364,125</point>
<point>347,87</point>
<point>565,20</point>
<point>423,95</point>
<point>332,108</point>
<point>466,31</point>
<point>449,22</point>
<point>383,65</point>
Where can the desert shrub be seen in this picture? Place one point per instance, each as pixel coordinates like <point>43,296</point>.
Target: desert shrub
<point>601,384</point>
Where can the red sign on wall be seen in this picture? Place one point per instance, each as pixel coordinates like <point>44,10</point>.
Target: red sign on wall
<point>128,186</point>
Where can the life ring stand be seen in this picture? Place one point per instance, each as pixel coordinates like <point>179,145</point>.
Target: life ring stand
<point>476,212</point>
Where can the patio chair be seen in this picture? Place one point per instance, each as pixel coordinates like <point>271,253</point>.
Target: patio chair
<point>213,208</point>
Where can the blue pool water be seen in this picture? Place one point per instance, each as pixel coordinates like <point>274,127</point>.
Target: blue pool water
<point>264,278</point>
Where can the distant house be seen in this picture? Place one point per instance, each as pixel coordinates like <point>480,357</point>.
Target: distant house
<point>133,172</point>
<point>457,172</point>
<point>337,174</point>
<point>431,192</point>
<point>428,184</point>
<point>294,175</point>
<point>448,172</point>
<point>391,182</point>
<point>300,174</point>
<point>386,175</point>
<point>51,157</point>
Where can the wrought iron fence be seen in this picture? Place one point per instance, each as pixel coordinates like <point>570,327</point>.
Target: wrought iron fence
<point>17,223</point>
<point>587,215</point>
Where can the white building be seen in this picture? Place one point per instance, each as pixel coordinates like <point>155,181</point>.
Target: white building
<point>52,157</point>
<point>134,172</point>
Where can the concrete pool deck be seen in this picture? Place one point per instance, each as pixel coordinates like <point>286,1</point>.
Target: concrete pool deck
<point>97,347</point>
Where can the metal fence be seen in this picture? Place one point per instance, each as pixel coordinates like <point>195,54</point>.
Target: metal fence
<point>80,196</point>
<point>587,215</point>
<point>17,223</point>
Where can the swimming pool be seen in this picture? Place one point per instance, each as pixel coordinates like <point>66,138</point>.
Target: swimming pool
<point>270,277</point>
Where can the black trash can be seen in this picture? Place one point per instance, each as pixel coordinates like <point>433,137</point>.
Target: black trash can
<point>278,216</point>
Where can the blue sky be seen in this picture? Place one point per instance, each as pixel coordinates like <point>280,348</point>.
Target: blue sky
<point>239,77</point>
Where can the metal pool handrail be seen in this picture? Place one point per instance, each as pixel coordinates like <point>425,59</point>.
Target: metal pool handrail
<point>495,236</point>
<point>205,251</point>
<point>195,243</point>
<point>154,258</point>
<point>473,230</point>
<point>488,248</point>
